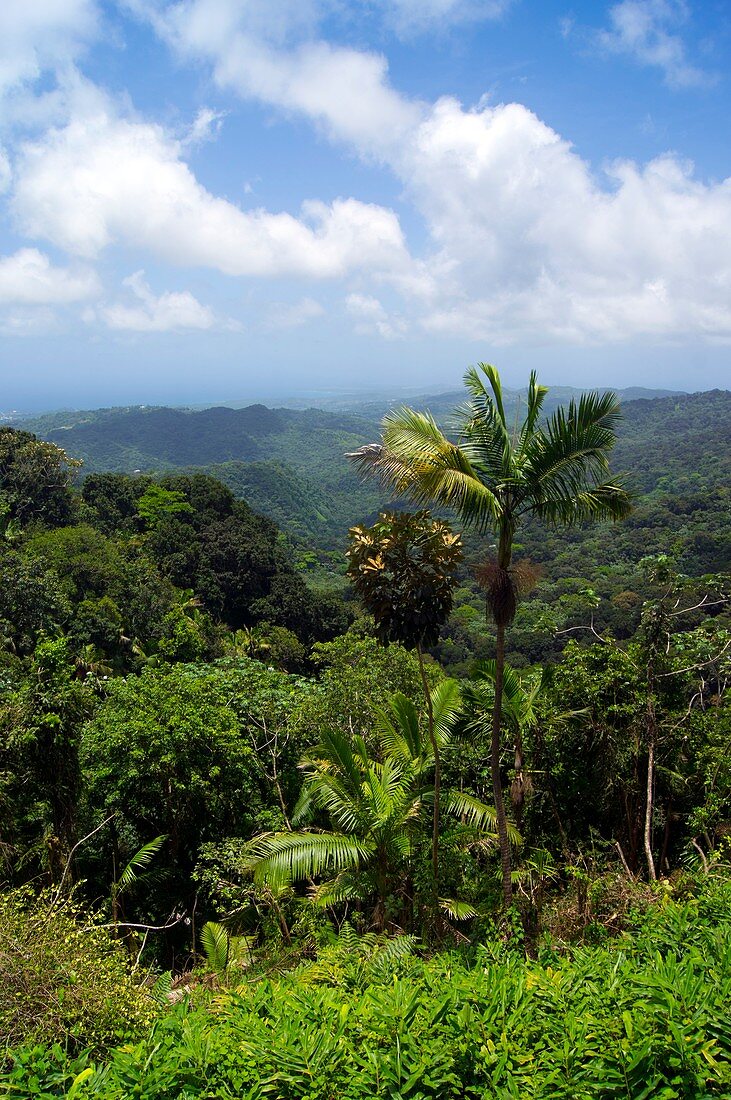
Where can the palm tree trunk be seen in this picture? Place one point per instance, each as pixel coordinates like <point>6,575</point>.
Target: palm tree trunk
<point>437,772</point>
<point>497,787</point>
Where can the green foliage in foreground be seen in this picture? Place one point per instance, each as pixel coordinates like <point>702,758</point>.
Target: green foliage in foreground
<point>645,1017</point>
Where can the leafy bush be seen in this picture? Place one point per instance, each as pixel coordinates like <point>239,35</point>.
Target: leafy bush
<point>63,980</point>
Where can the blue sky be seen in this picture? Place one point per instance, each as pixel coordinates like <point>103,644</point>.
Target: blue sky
<point>220,199</point>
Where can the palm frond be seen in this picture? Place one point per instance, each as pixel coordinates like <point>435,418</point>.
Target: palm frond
<point>420,463</point>
<point>140,861</point>
<point>304,808</point>
<point>457,910</point>
<point>601,502</point>
<point>519,695</point>
<point>571,453</point>
<point>536,397</point>
<point>485,435</point>
<point>346,753</point>
<point>399,730</point>
<point>215,942</point>
<point>346,808</point>
<point>446,701</point>
<point>476,387</point>
<point>476,813</point>
<point>290,857</point>
<point>469,836</point>
<point>346,886</point>
<point>385,788</point>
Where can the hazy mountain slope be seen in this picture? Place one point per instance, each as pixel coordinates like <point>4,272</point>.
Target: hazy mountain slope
<point>290,464</point>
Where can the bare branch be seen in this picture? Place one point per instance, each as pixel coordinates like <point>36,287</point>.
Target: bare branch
<point>71,853</point>
<point>703,603</point>
<point>624,862</point>
<point>585,626</point>
<point>145,927</point>
<point>701,664</point>
<point>701,853</point>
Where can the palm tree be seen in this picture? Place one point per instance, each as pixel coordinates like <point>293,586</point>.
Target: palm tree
<point>403,571</point>
<point>493,477</point>
<point>375,806</point>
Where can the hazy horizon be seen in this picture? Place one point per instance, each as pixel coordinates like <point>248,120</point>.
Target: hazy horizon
<point>325,398</point>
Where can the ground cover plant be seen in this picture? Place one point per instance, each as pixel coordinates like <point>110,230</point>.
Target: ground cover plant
<point>642,1016</point>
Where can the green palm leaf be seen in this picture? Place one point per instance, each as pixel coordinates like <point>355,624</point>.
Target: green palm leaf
<point>477,813</point>
<point>140,861</point>
<point>279,858</point>
<point>457,910</point>
<point>215,942</point>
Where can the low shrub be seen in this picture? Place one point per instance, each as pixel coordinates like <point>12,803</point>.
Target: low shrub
<point>62,977</point>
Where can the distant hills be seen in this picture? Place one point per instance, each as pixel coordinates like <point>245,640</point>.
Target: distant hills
<point>289,464</point>
<point>441,404</point>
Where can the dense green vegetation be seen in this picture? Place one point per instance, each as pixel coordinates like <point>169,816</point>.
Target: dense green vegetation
<point>645,1015</point>
<point>287,464</point>
<point>672,450</point>
<point>290,465</point>
<point>254,836</point>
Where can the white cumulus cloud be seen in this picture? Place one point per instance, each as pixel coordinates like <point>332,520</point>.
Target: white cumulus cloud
<point>147,312</point>
<point>37,36</point>
<point>206,126</point>
<point>103,179</point>
<point>530,242</point>
<point>29,278</point>
<point>526,239</point>
<point>371,316</point>
<point>267,53</point>
<point>649,32</point>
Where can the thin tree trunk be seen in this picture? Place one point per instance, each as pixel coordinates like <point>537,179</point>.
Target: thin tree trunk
<point>497,788</point>
<point>664,864</point>
<point>648,809</point>
<point>517,792</point>
<point>651,732</point>
<point>115,871</point>
<point>437,772</point>
<point>543,764</point>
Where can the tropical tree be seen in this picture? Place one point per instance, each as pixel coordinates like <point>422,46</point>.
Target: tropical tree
<point>403,571</point>
<point>375,805</point>
<point>494,476</point>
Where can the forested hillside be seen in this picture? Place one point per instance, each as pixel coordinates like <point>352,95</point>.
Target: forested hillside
<point>459,827</point>
<point>290,465</point>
